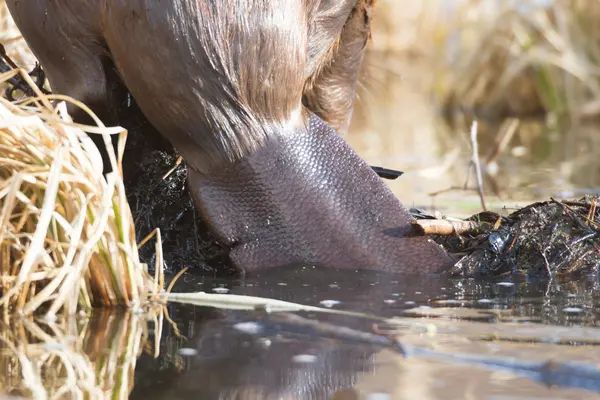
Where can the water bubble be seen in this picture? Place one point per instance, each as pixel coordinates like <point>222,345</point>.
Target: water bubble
<point>330,303</point>
<point>304,358</point>
<point>187,352</point>
<point>252,328</point>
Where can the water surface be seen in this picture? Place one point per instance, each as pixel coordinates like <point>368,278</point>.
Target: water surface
<point>517,322</point>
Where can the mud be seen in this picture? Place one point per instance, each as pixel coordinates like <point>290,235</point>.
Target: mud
<point>159,201</point>
<point>551,238</point>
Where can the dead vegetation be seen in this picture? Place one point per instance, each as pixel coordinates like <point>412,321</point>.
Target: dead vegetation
<point>67,237</point>
<point>501,59</point>
<point>555,239</point>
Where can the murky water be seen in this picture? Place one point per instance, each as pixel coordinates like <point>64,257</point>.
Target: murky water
<point>235,354</point>
<point>454,339</point>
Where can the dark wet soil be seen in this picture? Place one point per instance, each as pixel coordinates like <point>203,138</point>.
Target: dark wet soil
<point>555,239</point>
<point>157,195</point>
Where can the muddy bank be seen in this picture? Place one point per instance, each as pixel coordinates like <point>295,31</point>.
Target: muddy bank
<point>158,198</point>
<point>552,238</point>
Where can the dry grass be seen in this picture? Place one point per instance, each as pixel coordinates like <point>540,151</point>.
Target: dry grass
<point>502,57</point>
<point>67,238</point>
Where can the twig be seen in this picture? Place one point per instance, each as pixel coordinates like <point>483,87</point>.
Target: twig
<point>592,212</point>
<point>576,215</point>
<point>452,189</point>
<point>512,244</point>
<point>476,163</point>
<point>177,163</point>
<point>546,263</point>
<point>443,227</point>
<point>578,262</point>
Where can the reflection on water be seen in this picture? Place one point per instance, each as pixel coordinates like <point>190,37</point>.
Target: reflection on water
<point>221,360</point>
<point>465,339</point>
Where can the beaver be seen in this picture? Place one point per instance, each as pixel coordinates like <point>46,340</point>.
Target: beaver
<point>256,97</point>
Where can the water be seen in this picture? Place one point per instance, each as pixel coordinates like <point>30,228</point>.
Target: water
<point>463,338</point>
<point>236,354</point>
<point>397,124</point>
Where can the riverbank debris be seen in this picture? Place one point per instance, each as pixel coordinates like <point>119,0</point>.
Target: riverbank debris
<point>549,238</point>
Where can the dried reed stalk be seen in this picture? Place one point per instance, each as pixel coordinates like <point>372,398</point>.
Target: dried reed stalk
<point>67,239</point>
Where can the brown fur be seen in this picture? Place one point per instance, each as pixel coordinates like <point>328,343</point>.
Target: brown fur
<point>231,84</point>
<point>215,77</point>
<point>330,90</point>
